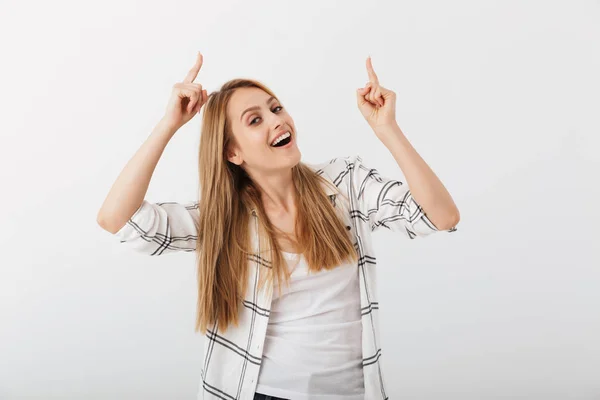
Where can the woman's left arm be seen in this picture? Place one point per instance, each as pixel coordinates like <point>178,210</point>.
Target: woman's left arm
<point>378,105</point>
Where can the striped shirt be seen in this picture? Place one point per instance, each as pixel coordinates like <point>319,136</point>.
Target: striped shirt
<point>364,199</point>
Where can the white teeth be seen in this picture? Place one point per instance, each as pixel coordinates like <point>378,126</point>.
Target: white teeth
<point>280,138</point>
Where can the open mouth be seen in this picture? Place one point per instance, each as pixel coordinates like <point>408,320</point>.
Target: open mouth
<point>284,142</point>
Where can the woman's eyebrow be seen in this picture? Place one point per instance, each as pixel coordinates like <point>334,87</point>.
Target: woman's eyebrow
<point>255,107</point>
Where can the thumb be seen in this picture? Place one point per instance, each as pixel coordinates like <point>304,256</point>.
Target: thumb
<point>360,96</point>
<point>386,92</point>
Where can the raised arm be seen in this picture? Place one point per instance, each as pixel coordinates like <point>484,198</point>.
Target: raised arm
<point>378,106</point>
<point>129,190</point>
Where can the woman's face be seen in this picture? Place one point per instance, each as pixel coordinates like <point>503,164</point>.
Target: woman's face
<point>257,119</point>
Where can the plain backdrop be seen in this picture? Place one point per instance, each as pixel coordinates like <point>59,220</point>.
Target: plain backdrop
<point>501,98</point>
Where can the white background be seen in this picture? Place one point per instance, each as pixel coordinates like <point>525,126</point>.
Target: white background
<point>501,98</point>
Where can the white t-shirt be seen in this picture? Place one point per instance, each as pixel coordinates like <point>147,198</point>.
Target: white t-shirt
<point>313,346</point>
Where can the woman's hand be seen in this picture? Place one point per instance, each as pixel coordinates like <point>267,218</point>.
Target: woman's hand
<point>187,98</point>
<point>376,103</point>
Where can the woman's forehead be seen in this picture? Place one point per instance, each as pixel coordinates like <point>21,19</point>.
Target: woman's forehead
<point>248,97</point>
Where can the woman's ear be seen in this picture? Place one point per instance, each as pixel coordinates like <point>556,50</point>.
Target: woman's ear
<point>234,156</point>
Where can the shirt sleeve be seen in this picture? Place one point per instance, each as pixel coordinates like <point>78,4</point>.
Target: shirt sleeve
<point>160,228</point>
<point>387,203</point>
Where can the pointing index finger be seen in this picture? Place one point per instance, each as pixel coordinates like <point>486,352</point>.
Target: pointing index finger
<point>189,78</point>
<point>371,71</point>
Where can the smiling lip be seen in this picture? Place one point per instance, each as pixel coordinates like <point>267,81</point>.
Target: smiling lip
<point>281,133</point>
<point>287,145</point>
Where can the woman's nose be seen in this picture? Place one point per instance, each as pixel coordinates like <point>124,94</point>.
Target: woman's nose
<point>277,121</point>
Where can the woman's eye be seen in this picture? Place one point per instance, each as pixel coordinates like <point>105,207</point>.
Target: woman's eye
<point>254,119</point>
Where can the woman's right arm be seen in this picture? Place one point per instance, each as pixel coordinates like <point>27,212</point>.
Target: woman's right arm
<point>149,228</point>
<point>127,193</point>
<point>155,227</point>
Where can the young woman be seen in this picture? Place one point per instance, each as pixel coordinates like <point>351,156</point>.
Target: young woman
<point>263,218</point>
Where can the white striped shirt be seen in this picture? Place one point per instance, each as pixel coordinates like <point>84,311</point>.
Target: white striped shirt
<point>232,358</point>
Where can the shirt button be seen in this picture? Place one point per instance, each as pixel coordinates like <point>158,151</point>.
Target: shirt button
<point>348,227</point>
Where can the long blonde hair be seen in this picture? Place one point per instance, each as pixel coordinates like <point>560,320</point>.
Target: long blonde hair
<point>228,199</point>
